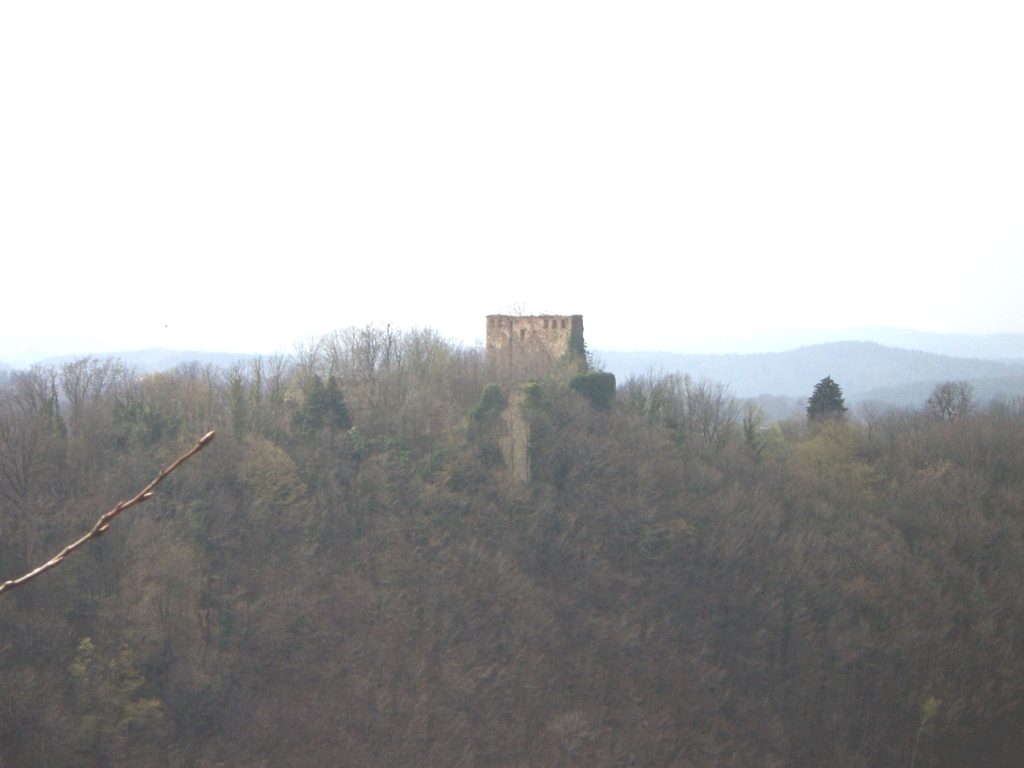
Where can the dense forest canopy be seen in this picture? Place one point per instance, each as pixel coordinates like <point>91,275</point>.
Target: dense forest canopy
<point>351,576</point>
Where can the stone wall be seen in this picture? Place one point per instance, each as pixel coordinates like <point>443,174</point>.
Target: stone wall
<point>515,444</point>
<point>521,347</point>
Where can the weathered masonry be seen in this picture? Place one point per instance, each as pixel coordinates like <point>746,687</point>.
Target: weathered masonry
<point>526,346</point>
<point>515,443</point>
<point>521,348</point>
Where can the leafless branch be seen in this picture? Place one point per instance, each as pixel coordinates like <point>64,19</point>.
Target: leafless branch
<point>103,523</point>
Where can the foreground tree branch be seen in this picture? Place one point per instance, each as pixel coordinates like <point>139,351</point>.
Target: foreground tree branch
<point>103,523</point>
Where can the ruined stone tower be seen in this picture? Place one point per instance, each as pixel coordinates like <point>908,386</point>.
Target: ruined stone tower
<point>521,347</point>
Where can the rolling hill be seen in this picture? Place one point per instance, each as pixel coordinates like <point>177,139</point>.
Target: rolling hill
<point>865,370</point>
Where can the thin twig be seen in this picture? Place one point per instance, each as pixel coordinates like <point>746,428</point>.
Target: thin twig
<point>103,523</point>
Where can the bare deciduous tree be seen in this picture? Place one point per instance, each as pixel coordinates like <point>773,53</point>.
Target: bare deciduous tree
<point>951,400</point>
<point>103,524</point>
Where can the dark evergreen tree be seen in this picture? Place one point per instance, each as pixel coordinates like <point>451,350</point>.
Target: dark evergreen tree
<point>826,401</point>
<point>324,406</point>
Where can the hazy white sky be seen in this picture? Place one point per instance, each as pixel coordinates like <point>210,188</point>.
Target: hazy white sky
<point>235,175</point>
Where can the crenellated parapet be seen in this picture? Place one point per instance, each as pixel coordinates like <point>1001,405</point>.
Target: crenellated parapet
<point>522,347</point>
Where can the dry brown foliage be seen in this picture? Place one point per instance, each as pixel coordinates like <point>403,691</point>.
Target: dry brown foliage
<point>101,525</point>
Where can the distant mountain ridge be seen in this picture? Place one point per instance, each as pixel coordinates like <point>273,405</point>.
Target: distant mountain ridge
<point>990,346</point>
<point>986,346</point>
<point>863,369</point>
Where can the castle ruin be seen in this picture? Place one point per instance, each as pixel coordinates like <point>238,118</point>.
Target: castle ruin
<point>521,347</point>
<point>525,347</point>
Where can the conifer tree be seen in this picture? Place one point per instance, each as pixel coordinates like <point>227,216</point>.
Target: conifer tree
<point>324,406</point>
<point>826,401</point>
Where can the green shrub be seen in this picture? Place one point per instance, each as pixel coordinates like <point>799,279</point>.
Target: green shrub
<point>598,387</point>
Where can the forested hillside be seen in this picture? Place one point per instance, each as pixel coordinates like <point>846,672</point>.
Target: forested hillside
<point>349,576</point>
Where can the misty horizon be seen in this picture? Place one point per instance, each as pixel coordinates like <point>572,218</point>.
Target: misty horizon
<point>982,346</point>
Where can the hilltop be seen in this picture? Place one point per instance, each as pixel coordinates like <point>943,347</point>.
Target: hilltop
<point>352,575</point>
<point>900,373</point>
